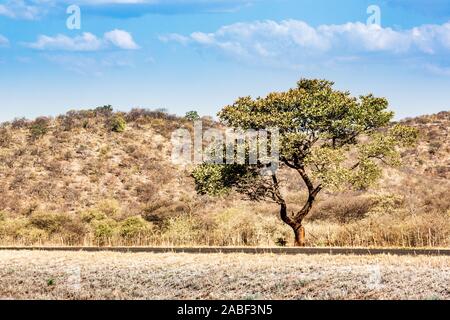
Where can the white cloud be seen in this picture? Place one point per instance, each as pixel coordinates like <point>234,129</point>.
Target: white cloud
<point>432,38</point>
<point>294,38</point>
<point>89,65</point>
<point>21,9</point>
<point>86,42</point>
<point>79,64</point>
<point>121,39</point>
<point>174,37</point>
<point>4,42</point>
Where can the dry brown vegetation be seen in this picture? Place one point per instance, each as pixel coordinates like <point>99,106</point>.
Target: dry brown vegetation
<point>101,178</point>
<point>106,275</point>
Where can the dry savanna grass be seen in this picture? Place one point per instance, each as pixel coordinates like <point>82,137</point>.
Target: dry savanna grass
<point>107,275</point>
<point>96,177</point>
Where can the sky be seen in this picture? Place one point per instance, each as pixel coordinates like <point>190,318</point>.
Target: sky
<point>201,55</point>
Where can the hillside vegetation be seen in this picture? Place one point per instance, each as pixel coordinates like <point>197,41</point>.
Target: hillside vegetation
<point>97,177</point>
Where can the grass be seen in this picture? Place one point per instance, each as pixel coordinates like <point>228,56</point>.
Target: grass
<point>232,227</point>
<point>107,275</point>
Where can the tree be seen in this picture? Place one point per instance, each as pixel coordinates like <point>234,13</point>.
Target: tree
<point>327,137</point>
<point>192,116</point>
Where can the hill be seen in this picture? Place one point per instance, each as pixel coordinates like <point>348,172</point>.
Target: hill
<point>100,177</point>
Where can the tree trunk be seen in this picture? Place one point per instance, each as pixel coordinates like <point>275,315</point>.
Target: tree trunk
<point>299,232</point>
<point>295,220</point>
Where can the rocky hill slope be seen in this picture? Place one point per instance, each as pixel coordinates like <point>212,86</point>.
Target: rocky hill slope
<point>102,170</point>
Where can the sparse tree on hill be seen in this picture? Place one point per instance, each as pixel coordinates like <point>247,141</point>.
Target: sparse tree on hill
<point>192,115</point>
<point>329,138</point>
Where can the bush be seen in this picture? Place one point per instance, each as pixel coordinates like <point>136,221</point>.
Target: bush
<point>110,207</point>
<point>56,223</point>
<point>19,123</point>
<point>342,208</point>
<point>183,230</point>
<point>237,227</point>
<point>9,227</point>
<point>91,215</point>
<point>240,227</point>
<point>117,124</point>
<point>104,229</point>
<point>67,122</point>
<point>105,110</point>
<point>386,203</point>
<point>147,192</point>
<point>157,212</point>
<point>431,229</point>
<point>144,115</point>
<point>31,235</point>
<point>134,227</point>
<point>50,222</point>
<point>5,138</point>
<point>39,127</point>
<point>12,230</point>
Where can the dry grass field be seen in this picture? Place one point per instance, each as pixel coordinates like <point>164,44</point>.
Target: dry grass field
<point>107,275</point>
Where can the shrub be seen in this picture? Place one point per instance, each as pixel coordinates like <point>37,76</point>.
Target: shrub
<point>64,225</point>
<point>182,230</point>
<point>236,226</point>
<point>39,127</point>
<point>31,235</point>
<point>117,124</point>
<point>51,222</point>
<point>134,227</point>
<point>19,229</point>
<point>91,215</point>
<point>431,229</point>
<point>67,122</point>
<point>105,110</point>
<point>110,207</point>
<point>386,203</point>
<point>156,212</point>
<point>9,227</point>
<point>19,123</point>
<point>434,147</point>
<point>104,229</point>
<point>5,138</point>
<point>147,192</point>
<point>240,227</point>
<point>342,208</point>
<point>144,115</point>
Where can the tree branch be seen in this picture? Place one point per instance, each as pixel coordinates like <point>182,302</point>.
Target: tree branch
<point>283,207</point>
<point>381,158</point>
<point>312,194</point>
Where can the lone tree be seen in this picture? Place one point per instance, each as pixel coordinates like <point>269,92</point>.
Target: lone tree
<point>192,115</point>
<point>328,137</point>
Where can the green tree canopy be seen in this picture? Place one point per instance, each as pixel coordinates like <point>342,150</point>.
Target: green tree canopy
<point>192,116</point>
<point>328,137</point>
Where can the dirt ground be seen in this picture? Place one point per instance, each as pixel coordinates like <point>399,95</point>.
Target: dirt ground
<point>107,275</point>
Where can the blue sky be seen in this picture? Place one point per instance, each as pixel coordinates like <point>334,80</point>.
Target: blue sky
<point>202,55</point>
